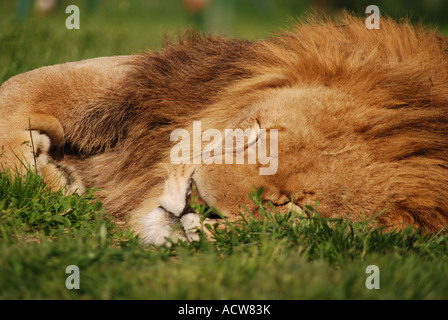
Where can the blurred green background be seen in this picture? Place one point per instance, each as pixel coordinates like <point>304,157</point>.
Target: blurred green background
<point>31,37</point>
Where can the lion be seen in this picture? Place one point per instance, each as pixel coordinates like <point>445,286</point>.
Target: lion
<point>361,117</point>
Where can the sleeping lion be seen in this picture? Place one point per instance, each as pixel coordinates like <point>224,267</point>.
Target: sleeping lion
<point>352,118</point>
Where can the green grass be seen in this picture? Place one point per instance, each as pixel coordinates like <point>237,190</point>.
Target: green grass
<point>280,257</point>
<point>118,27</point>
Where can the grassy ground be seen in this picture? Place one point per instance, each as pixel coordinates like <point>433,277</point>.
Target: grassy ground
<point>282,257</point>
<point>117,27</point>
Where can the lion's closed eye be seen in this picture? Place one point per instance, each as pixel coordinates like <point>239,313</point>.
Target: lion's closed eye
<point>239,140</point>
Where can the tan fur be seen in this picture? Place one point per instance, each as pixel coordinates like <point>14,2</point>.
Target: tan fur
<point>362,118</point>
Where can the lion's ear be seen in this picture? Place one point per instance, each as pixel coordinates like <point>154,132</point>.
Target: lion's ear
<point>47,124</point>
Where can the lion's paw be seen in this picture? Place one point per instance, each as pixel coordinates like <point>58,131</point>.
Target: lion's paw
<point>191,223</point>
<point>34,150</point>
<point>35,154</point>
<point>160,225</point>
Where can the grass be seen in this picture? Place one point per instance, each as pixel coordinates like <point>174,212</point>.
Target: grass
<point>116,27</point>
<point>281,257</point>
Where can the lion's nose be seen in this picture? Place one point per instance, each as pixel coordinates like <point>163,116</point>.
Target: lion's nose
<point>282,200</point>
<point>285,204</point>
